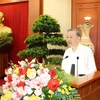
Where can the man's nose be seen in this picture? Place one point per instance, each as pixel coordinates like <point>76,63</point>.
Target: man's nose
<point>68,39</point>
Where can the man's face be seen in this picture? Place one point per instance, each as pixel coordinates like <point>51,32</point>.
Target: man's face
<point>72,39</point>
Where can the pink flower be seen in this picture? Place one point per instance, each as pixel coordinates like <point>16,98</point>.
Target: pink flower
<point>21,91</point>
<point>40,71</point>
<point>37,82</point>
<point>45,79</point>
<point>5,87</point>
<point>15,95</point>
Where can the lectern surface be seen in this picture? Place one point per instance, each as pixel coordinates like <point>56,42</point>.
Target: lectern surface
<point>88,86</point>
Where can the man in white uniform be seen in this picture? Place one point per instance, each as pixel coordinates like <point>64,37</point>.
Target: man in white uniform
<point>77,54</point>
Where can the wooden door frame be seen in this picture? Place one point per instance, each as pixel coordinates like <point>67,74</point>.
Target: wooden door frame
<point>11,1</point>
<point>74,10</point>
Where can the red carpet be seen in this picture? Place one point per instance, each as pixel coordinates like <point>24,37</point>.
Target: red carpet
<point>1,82</point>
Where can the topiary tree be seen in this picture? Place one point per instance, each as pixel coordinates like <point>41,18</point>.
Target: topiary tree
<point>55,40</point>
<point>47,24</point>
<point>37,43</point>
<point>36,47</point>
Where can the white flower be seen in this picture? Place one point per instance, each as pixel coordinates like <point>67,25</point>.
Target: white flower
<point>22,77</point>
<point>32,65</point>
<point>38,92</point>
<point>33,60</point>
<point>46,70</point>
<point>25,98</point>
<point>32,75</point>
<point>26,60</point>
<point>29,90</point>
<point>21,91</point>
<point>22,63</point>
<point>10,71</point>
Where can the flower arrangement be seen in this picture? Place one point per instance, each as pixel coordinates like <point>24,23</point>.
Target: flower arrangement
<point>35,81</point>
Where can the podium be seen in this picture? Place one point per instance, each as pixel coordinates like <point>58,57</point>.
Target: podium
<point>88,86</point>
<point>4,58</point>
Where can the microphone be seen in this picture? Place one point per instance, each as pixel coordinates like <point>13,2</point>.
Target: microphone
<point>77,69</point>
<point>65,57</point>
<point>77,66</point>
<point>77,58</point>
<point>72,71</point>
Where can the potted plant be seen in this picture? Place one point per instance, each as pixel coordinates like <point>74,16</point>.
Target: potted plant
<point>37,43</point>
<point>5,38</point>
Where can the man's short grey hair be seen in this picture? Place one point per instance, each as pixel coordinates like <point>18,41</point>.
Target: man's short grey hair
<point>77,32</point>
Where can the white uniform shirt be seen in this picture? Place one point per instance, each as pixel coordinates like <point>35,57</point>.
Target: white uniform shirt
<point>85,63</point>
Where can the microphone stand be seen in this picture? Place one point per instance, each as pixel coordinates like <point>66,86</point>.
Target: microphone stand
<point>77,66</point>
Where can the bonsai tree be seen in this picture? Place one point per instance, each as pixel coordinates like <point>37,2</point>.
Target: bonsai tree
<point>36,47</point>
<point>55,40</point>
<point>46,23</point>
<point>37,43</point>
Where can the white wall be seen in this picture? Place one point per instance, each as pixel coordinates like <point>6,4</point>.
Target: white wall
<point>60,10</point>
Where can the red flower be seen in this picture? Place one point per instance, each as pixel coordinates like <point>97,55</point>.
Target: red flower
<point>22,71</point>
<point>21,84</point>
<point>52,73</point>
<point>53,84</point>
<point>9,77</point>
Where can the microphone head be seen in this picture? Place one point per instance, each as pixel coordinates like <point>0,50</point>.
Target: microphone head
<point>66,57</point>
<point>77,57</point>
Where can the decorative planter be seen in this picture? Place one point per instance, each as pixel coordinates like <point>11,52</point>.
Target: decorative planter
<point>85,39</point>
